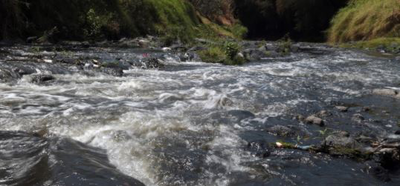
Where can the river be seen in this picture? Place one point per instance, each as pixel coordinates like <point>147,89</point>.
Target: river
<point>194,123</point>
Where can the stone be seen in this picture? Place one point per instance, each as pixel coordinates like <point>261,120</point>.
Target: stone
<point>299,117</point>
<point>31,39</point>
<point>323,113</point>
<point>341,140</point>
<point>385,92</point>
<point>41,78</point>
<point>314,120</point>
<point>366,109</point>
<point>357,118</point>
<point>281,131</point>
<point>342,108</point>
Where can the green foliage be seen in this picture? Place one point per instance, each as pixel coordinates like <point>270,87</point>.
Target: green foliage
<point>366,20</point>
<point>213,54</point>
<point>231,49</point>
<point>226,53</point>
<point>219,11</point>
<point>238,30</point>
<point>96,23</point>
<point>111,19</point>
<point>324,132</point>
<point>285,45</point>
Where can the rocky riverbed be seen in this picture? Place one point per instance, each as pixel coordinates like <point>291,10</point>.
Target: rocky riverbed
<point>133,113</point>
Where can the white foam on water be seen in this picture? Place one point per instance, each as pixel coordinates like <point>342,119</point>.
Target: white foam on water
<point>127,116</point>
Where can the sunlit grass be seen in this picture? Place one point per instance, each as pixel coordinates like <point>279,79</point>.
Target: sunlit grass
<point>364,20</point>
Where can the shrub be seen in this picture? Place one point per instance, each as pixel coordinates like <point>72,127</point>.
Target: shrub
<point>231,49</point>
<point>96,23</point>
<point>226,54</point>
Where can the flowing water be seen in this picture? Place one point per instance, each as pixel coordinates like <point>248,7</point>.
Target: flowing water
<point>193,123</point>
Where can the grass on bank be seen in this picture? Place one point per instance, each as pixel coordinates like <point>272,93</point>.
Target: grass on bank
<point>364,20</point>
<point>390,44</point>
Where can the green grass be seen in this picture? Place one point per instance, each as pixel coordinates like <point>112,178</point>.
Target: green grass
<point>213,54</point>
<point>364,20</point>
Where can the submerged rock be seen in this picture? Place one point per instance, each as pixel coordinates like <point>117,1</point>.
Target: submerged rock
<point>152,62</point>
<point>42,78</point>
<point>340,143</point>
<point>259,148</point>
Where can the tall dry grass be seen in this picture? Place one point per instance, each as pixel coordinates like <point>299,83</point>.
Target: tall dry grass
<point>364,20</point>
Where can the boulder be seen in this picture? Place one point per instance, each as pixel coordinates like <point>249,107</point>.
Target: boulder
<point>340,143</point>
<point>340,138</point>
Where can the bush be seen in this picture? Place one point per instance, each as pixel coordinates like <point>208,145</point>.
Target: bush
<point>96,24</point>
<point>231,49</point>
<point>285,45</point>
<point>226,54</point>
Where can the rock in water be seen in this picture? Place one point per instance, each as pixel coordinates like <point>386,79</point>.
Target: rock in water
<point>41,78</point>
<point>314,120</point>
<point>342,108</point>
<point>259,148</point>
<point>281,131</point>
<point>358,118</point>
<point>385,92</point>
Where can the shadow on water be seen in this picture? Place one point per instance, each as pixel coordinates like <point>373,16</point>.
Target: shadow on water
<point>28,159</point>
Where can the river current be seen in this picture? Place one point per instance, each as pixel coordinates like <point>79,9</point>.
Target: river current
<point>194,123</point>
